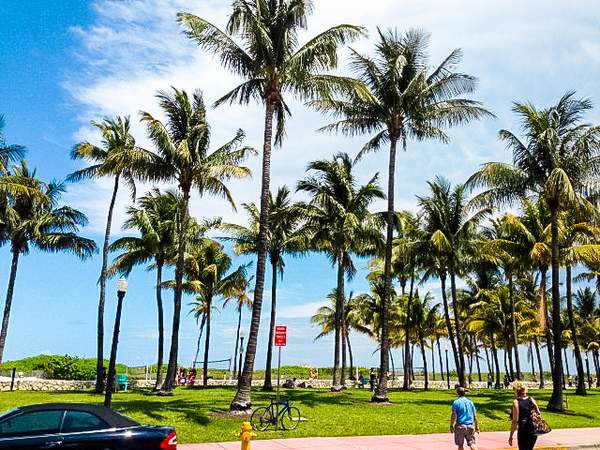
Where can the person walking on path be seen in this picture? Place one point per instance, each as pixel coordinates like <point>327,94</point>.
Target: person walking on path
<point>463,421</point>
<point>521,418</point>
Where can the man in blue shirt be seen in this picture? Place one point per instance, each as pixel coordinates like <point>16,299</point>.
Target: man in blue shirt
<point>463,421</point>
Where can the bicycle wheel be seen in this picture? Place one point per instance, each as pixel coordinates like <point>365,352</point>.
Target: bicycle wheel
<point>261,418</point>
<point>290,418</point>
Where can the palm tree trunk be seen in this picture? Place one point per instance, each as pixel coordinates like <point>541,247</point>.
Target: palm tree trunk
<point>339,302</point>
<point>487,361</point>
<point>556,400</point>
<point>548,333</point>
<point>8,302</point>
<point>206,343</point>
<point>350,352</point>
<point>513,326</point>
<point>343,339</point>
<point>477,362</point>
<point>392,364</point>
<point>597,366</point>
<point>511,367</point>
<point>242,400</point>
<point>506,371</point>
<point>539,359</point>
<point>169,384</point>
<point>449,323</point>
<point>199,342</point>
<point>268,384</point>
<point>413,376</point>
<point>495,358</point>
<point>406,384</point>
<point>380,394</point>
<point>102,300</point>
<point>237,342</point>
<point>461,358</point>
<point>422,343</point>
<point>578,360</point>
<point>532,359</point>
<point>161,328</point>
<point>432,361</point>
<point>439,346</point>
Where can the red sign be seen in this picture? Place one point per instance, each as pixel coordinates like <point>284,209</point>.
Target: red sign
<point>280,336</point>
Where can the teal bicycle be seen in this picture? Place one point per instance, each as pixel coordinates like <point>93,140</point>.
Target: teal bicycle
<point>282,413</point>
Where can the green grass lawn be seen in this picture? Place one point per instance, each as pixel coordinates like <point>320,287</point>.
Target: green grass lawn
<point>198,414</point>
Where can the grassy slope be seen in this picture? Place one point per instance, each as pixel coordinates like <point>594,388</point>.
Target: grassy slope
<point>195,413</point>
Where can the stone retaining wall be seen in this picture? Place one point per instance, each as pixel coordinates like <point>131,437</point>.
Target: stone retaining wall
<point>40,384</point>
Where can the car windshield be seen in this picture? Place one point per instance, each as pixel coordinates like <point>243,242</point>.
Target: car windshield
<point>6,413</point>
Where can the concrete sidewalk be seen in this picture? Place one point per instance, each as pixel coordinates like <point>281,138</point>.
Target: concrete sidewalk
<point>564,439</point>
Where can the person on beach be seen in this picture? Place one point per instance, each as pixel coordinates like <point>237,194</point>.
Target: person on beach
<point>521,418</point>
<point>463,420</point>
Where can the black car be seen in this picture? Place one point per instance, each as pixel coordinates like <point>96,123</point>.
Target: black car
<point>73,426</point>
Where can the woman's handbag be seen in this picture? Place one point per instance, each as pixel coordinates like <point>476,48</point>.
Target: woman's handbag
<point>540,426</point>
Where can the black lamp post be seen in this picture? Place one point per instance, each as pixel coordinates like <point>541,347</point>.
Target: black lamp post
<point>447,367</point>
<point>110,381</point>
<point>242,335</point>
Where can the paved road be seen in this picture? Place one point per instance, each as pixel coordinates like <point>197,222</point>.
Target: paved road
<point>564,439</point>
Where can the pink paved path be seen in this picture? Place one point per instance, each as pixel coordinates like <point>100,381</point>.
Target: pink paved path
<point>558,439</point>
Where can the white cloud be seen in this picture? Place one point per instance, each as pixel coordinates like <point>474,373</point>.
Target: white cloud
<point>300,311</point>
<point>136,48</point>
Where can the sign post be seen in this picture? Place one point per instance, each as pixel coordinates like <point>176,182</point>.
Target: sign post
<point>280,341</point>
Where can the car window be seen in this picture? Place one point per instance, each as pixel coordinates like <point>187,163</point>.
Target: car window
<point>28,424</point>
<point>76,421</point>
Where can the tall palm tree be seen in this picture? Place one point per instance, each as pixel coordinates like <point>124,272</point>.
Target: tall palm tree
<point>577,244</point>
<point>450,222</point>
<point>339,224</point>
<point>284,236</point>
<point>241,300</point>
<point>272,63</point>
<point>557,161</point>
<point>156,221</point>
<point>397,97</point>
<point>9,153</point>
<point>116,141</point>
<point>44,225</point>
<point>183,156</point>
<point>208,276</point>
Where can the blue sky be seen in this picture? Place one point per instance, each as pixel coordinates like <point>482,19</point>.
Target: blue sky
<point>66,63</point>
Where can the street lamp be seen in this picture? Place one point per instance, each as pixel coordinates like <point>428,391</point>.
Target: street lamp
<point>242,336</point>
<point>447,367</point>
<point>110,382</point>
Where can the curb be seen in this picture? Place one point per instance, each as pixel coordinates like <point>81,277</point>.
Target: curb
<point>562,447</point>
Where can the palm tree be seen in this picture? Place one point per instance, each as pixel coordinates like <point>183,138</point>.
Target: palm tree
<point>272,64</point>
<point>155,219</point>
<point>557,162</point>
<point>207,276</point>
<point>9,153</point>
<point>397,97</point>
<point>339,224</point>
<point>422,317</point>
<point>43,225</point>
<point>325,316</point>
<point>450,222</point>
<point>182,155</point>
<point>242,299</point>
<point>200,312</point>
<point>284,236</point>
<point>110,159</point>
<point>578,237</point>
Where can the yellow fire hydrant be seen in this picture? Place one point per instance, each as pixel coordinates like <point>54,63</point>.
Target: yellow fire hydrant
<point>246,435</point>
